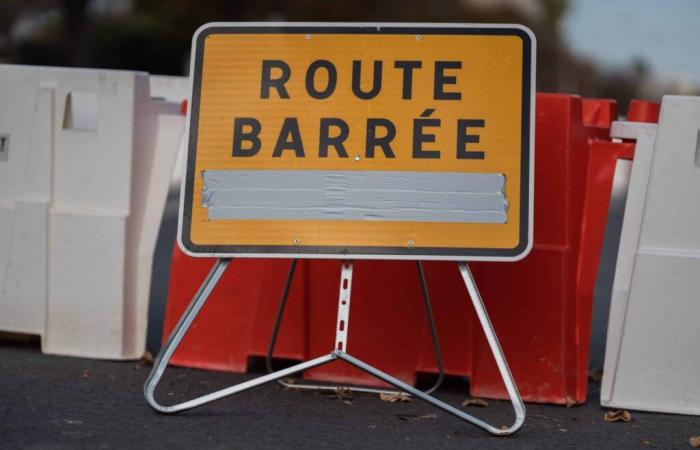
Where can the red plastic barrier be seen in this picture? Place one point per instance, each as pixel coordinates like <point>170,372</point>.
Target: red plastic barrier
<point>236,321</point>
<point>643,111</point>
<point>540,307</point>
<point>532,303</point>
<point>599,114</point>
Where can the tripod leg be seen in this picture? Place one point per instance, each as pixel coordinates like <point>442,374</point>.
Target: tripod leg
<point>513,393</point>
<point>278,321</point>
<point>178,333</point>
<point>433,330</point>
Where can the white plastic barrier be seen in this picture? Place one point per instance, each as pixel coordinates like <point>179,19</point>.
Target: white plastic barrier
<point>173,89</point>
<point>652,359</point>
<point>83,184</point>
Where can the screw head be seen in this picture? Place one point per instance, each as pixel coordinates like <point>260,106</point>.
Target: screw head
<point>410,243</point>
<point>297,241</point>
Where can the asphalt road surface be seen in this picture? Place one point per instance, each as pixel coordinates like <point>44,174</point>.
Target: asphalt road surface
<point>58,402</point>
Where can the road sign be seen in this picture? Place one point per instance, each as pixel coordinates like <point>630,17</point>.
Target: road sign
<point>401,141</point>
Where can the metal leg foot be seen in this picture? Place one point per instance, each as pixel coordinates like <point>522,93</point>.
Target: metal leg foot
<point>513,394</point>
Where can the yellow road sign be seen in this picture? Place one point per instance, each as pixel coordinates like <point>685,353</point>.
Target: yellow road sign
<point>401,141</point>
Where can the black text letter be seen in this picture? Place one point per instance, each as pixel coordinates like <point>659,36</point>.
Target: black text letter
<point>407,67</point>
<point>267,81</point>
<point>463,138</point>
<point>289,139</point>
<point>251,136</point>
<point>325,140</point>
<point>441,80</point>
<point>419,137</point>
<point>357,80</point>
<point>384,142</point>
<point>311,75</point>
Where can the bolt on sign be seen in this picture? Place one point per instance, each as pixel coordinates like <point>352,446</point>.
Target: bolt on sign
<point>399,141</point>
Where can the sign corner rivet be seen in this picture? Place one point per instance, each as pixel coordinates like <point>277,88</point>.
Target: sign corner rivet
<point>410,243</point>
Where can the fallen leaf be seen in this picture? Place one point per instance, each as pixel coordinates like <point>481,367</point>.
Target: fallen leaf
<point>694,441</point>
<point>570,401</point>
<point>645,442</point>
<point>400,397</point>
<point>147,358</point>
<point>595,375</point>
<point>341,394</point>
<point>289,380</point>
<point>621,415</point>
<point>475,402</point>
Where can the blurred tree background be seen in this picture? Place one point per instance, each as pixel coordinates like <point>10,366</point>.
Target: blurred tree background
<point>155,35</point>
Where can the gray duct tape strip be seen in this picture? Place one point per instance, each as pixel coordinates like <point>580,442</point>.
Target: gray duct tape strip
<point>355,195</point>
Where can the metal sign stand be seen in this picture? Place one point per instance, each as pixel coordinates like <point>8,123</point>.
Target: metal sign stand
<point>295,384</point>
<point>339,352</point>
